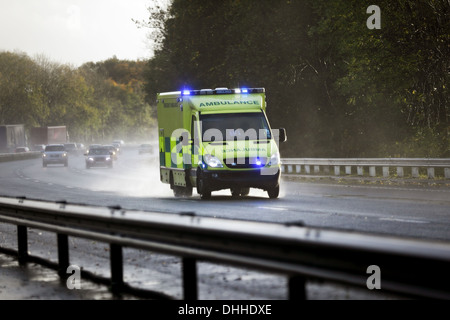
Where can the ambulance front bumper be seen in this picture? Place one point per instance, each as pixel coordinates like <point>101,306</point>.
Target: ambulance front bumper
<point>224,179</point>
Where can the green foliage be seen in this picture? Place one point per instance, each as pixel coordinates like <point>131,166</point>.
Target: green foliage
<point>340,89</point>
<point>97,102</point>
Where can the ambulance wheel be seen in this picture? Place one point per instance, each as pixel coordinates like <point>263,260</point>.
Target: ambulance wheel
<point>202,188</point>
<point>245,192</point>
<point>188,191</point>
<point>274,192</point>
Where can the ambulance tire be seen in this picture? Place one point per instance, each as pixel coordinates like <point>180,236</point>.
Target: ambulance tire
<point>245,192</point>
<point>274,192</point>
<point>188,191</point>
<point>202,187</point>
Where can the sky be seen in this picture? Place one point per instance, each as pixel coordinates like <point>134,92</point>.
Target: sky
<point>76,31</point>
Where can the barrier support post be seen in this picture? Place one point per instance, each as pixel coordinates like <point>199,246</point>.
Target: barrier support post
<point>22,244</point>
<point>189,266</point>
<point>116,268</point>
<point>297,287</point>
<point>63,254</point>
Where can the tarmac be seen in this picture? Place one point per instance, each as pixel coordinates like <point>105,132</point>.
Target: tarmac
<point>33,281</point>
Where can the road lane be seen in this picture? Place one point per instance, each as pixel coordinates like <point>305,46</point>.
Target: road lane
<point>133,183</point>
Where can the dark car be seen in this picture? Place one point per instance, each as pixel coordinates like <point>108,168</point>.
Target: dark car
<point>71,148</point>
<point>99,157</point>
<point>55,154</point>
<point>113,149</point>
<point>118,147</point>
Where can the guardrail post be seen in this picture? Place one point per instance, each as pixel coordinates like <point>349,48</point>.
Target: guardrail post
<point>298,168</point>
<point>447,173</point>
<point>297,288</point>
<point>307,169</point>
<point>116,259</point>
<point>316,169</point>
<point>430,172</point>
<point>385,172</point>
<point>22,244</point>
<point>360,170</point>
<point>337,170</point>
<point>372,171</point>
<point>189,266</point>
<point>348,169</point>
<point>400,171</point>
<point>415,172</point>
<point>289,168</point>
<point>63,254</point>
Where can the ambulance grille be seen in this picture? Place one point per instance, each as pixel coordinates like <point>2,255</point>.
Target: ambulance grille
<point>246,163</point>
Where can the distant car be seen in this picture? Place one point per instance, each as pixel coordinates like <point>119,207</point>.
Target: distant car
<point>145,148</point>
<point>22,149</point>
<point>120,142</point>
<point>39,147</point>
<point>118,147</point>
<point>99,157</point>
<point>55,154</point>
<point>113,149</point>
<point>71,148</point>
<point>93,146</point>
<point>81,148</point>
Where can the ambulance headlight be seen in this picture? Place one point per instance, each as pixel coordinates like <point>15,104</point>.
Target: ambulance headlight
<point>274,159</point>
<point>212,161</point>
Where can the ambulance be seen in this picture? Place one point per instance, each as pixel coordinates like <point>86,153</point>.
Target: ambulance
<point>215,139</point>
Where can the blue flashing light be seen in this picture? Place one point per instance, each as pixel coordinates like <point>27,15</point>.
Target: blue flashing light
<point>258,162</point>
<point>187,92</point>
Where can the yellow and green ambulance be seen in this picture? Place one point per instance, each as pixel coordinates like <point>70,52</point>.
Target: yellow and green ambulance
<point>215,139</point>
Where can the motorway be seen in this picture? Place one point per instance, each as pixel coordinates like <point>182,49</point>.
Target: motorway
<point>401,210</point>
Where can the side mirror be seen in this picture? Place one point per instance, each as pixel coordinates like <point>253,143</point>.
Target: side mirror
<point>283,135</point>
<point>279,135</point>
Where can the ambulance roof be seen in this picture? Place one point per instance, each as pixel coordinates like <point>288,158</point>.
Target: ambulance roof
<point>220,99</point>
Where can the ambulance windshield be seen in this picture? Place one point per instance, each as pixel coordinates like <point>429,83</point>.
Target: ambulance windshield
<point>234,126</point>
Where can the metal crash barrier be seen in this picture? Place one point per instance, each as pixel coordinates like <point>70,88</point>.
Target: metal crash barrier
<point>423,168</point>
<point>412,267</point>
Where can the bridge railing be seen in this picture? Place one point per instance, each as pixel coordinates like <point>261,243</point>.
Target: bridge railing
<point>407,266</point>
<point>368,166</point>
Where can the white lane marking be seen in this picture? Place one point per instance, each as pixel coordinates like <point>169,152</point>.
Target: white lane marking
<point>274,208</point>
<point>403,220</point>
